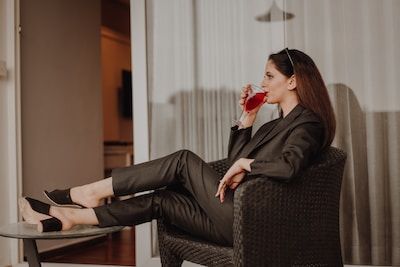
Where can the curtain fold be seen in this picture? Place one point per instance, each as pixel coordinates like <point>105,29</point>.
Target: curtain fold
<point>355,201</point>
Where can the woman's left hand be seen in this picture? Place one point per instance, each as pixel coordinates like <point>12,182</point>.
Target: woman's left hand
<point>233,177</point>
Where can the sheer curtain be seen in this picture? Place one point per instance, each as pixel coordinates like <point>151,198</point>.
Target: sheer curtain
<point>354,44</point>
<point>202,52</point>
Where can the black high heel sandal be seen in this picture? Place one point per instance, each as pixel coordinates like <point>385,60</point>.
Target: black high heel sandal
<point>62,198</point>
<point>48,225</point>
<point>38,206</point>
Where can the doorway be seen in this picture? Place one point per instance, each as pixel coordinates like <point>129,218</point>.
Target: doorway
<point>75,90</point>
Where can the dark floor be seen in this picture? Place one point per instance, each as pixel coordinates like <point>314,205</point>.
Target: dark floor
<point>115,249</point>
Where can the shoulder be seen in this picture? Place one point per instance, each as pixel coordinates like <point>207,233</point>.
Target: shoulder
<point>307,123</point>
<point>306,116</point>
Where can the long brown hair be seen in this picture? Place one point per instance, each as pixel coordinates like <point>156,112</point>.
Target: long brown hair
<point>310,87</point>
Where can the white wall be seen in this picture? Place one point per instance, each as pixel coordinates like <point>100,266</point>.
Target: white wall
<point>62,132</point>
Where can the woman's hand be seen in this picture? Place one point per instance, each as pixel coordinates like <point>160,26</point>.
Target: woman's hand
<point>233,177</point>
<point>246,90</point>
<point>251,114</point>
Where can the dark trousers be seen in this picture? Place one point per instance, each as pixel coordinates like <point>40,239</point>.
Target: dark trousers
<point>184,196</point>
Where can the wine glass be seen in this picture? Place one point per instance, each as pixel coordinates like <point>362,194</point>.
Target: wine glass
<point>253,100</point>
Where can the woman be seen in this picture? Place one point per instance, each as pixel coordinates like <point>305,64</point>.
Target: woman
<point>185,185</point>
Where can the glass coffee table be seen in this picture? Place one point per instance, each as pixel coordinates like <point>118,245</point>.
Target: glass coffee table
<point>29,235</point>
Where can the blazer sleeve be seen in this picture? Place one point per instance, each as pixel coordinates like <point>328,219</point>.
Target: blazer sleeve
<point>303,143</point>
<point>237,141</point>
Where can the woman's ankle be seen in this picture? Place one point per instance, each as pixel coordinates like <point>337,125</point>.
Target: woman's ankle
<point>90,195</point>
<point>84,196</point>
<point>64,216</point>
<point>71,216</point>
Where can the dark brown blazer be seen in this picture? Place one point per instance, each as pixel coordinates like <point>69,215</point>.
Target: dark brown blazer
<point>282,147</point>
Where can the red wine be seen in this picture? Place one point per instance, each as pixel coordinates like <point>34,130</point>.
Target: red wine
<point>254,101</point>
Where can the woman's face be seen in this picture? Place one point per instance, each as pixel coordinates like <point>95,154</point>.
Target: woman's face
<point>275,84</point>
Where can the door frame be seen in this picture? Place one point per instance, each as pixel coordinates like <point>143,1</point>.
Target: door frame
<point>143,233</point>
<point>12,123</point>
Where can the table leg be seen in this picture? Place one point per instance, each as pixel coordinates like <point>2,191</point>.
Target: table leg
<point>31,252</point>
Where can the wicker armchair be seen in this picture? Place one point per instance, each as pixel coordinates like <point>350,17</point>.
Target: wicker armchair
<point>275,224</point>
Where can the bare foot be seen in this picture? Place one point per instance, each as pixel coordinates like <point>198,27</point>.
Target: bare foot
<point>33,217</point>
<point>29,215</point>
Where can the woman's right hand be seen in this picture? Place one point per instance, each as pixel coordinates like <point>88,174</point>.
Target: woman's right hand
<point>246,91</point>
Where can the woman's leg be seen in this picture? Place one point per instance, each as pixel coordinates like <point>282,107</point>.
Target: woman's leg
<point>183,167</point>
<point>176,208</point>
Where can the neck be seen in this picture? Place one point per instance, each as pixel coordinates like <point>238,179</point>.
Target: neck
<point>288,105</point>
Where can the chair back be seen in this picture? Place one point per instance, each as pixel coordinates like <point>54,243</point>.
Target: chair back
<point>291,224</point>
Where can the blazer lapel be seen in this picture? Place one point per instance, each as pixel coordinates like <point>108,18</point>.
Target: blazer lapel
<point>259,136</point>
<point>279,126</point>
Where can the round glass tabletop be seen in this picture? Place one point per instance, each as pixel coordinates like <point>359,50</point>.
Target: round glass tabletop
<point>28,231</point>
